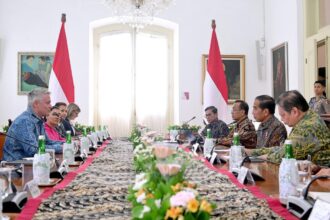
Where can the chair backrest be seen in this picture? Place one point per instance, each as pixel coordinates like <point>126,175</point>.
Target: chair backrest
<point>2,142</point>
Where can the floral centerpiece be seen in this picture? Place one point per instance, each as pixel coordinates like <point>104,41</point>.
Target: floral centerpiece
<point>160,190</point>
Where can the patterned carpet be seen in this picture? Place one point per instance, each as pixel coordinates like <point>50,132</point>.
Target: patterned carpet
<point>99,192</point>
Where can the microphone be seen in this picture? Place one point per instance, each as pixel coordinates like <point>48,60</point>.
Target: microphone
<point>302,206</point>
<point>16,139</point>
<point>189,120</point>
<point>305,190</point>
<point>53,174</point>
<point>246,159</point>
<point>255,176</point>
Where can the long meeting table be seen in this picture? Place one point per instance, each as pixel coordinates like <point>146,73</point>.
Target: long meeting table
<point>98,189</point>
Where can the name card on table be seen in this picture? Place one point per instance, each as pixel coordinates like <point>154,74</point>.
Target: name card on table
<point>65,165</point>
<point>33,188</point>
<point>2,184</point>
<point>321,210</point>
<point>213,157</point>
<point>195,147</point>
<point>244,173</point>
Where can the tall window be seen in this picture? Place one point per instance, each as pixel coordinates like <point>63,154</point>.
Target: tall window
<point>134,80</point>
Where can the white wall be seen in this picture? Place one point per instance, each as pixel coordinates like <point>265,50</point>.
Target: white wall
<point>34,26</point>
<point>284,23</point>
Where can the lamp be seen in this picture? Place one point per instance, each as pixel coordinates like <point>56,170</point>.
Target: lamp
<point>136,13</point>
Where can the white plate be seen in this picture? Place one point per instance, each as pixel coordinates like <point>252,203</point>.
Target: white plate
<point>6,169</point>
<point>28,158</point>
<point>222,150</point>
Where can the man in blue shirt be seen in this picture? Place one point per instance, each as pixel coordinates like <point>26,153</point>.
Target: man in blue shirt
<point>28,126</point>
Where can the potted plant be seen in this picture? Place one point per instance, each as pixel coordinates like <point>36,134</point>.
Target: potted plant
<point>174,131</point>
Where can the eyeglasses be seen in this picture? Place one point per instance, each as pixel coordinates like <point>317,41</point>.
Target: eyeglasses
<point>55,114</point>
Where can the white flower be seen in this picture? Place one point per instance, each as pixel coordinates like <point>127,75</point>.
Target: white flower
<point>157,202</point>
<point>138,185</point>
<point>181,198</point>
<point>140,177</point>
<point>145,210</point>
<point>138,148</point>
<point>141,197</point>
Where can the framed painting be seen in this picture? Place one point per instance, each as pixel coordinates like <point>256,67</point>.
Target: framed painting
<point>234,67</point>
<point>280,69</point>
<point>34,70</point>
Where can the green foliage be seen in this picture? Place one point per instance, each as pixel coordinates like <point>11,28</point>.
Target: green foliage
<point>173,127</point>
<point>193,128</point>
<point>80,128</point>
<point>150,196</point>
<point>135,134</point>
<point>5,128</point>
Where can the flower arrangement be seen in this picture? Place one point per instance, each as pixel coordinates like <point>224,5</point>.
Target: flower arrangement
<point>160,190</point>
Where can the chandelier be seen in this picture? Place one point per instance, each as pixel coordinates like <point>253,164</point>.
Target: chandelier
<point>137,13</point>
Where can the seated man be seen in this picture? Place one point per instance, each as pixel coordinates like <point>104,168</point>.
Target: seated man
<point>271,132</point>
<point>52,121</point>
<point>27,127</point>
<point>309,134</point>
<point>63,110</point>
<point>244,127</point>
<point>218,128</point>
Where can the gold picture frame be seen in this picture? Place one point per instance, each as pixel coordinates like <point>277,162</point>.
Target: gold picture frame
<point>234,67</point>
<point>280,69</point>
<point>34,70</point>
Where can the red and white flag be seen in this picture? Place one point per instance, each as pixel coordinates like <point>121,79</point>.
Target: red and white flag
<point>61,83</point>
<point>215,89</point>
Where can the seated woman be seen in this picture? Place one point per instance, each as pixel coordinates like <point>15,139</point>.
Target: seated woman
<point>68,123</point>
<point>317,103</point>
<point>52,121</point>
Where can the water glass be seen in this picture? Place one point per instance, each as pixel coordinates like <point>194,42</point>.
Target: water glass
<point>235,157</point>
<point>304,171</point>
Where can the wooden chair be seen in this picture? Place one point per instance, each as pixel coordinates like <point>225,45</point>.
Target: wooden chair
<point>2,142</point>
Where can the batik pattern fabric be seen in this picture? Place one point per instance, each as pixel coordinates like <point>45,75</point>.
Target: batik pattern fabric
<point>309,136</point>
<point>100,192</point>
<point>271,133</point>
<point>218,129</point>
<point>246,131</point>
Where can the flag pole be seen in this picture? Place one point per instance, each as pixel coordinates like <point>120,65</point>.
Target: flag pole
<point>63,18</point>
<point>61,83</point>
<point>213,24</point>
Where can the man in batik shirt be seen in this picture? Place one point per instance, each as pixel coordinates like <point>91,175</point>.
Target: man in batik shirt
<point>309,134</point>
<point>244,127</point>
<point>271,132</point>
<point>218,127</point>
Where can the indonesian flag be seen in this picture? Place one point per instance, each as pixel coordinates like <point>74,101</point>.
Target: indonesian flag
<point>215,89</point>
<point>61,82</point>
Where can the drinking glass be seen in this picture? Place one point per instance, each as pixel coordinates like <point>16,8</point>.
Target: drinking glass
<point>51,153</point>
<point>5,187</point>
<point>304,171</point>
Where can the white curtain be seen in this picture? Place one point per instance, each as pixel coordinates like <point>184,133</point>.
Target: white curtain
<point>115,83</point>
<point>133,82</point>
<point>152,81</point>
